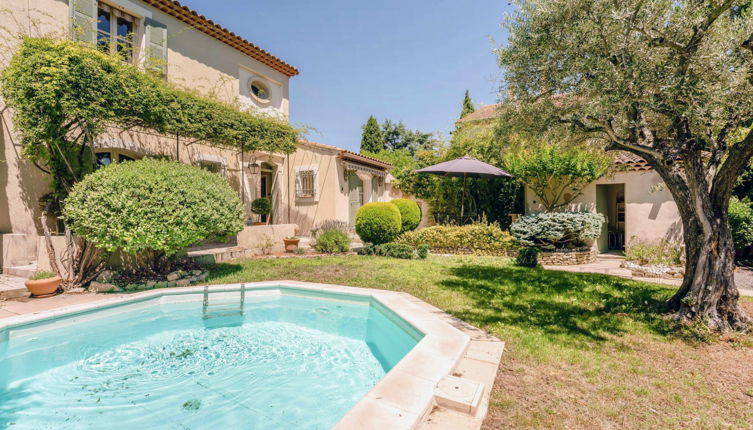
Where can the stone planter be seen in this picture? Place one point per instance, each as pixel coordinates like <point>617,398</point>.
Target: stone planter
<point>43,287</point>
<point>291,244</point>
<point>572,258</point>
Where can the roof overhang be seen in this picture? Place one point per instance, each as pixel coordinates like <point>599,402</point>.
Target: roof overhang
<point>364,160</point>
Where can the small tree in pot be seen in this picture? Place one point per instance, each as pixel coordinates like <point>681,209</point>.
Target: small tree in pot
<point>262,207</point>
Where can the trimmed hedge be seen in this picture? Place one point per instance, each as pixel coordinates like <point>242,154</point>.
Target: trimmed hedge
<point>528,257</point>
<point>410,213</point>
<point>741,222</point>
<point>480,239</point>
<point>396,250</point>
<point>378,223</point>
<point>558,230</point>
<point>156,205</point>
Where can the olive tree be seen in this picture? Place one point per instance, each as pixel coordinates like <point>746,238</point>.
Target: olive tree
<point>669,81</point>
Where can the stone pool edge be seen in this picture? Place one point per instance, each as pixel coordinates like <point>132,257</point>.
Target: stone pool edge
<point>443,382</point>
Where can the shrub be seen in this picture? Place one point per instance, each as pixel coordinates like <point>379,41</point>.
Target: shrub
<point>410,213</point>
<point>528,257</point>
<point>479,238</point>
<point>330,224</point>
<point>396,250</point>
<point>741,222</point>
<point>42,275</point>
<point>378,223</point>
<point>157,205</point>
<point>558,230</point>
<point>332,241</point>
<point>663,252</point>
<point>261,206</point>
<point>422,251</point>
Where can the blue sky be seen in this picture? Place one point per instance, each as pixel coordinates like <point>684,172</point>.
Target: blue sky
<point>406,60</point>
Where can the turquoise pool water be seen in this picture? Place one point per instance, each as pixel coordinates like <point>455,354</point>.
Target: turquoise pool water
<point>289,361</point>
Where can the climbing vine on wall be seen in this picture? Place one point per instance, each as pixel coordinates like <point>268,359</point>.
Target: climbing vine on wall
<point>64,94</point>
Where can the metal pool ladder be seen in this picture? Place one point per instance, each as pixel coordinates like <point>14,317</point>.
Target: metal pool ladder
<point>223,309</point>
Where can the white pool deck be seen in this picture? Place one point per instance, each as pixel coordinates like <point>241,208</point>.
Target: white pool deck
<point>444,382</point>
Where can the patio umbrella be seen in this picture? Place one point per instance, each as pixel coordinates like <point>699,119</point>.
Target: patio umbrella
<point>465,167</point>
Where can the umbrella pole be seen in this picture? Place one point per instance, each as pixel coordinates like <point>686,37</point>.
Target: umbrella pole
<point>462,201</point>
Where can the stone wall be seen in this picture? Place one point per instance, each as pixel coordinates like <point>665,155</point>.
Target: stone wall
<point>567,258</point>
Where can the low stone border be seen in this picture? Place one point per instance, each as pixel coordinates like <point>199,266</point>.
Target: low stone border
<point>573,258</point>
<point>444,381</point>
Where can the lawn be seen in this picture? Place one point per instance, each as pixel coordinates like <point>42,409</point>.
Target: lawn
<point>583,350</point>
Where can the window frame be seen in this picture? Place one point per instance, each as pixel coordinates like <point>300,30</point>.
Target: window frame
<point>114,40</point>
<point>301,174</point>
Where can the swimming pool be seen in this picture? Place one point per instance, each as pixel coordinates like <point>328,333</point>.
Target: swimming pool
<point>273,357</point>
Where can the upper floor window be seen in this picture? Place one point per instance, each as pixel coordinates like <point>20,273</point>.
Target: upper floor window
<point>259,90</point>
<point>115,31</point>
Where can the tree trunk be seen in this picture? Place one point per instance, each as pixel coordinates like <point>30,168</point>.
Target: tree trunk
<point>708,292</point>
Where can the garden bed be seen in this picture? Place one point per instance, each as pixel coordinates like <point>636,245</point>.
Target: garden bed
<point>567,257</point>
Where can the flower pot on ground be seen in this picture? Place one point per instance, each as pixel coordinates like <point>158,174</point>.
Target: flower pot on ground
<point>291,243</point>
<point>43,284</point>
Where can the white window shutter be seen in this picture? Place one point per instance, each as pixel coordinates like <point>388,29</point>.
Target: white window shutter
<point>298,184</point>
<point>83,16</point>
<point>155,57</point>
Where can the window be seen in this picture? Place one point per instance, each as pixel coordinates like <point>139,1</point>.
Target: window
<point>259,90</point>
<point>306,184</point>
<point>115,31</point>
<point>213,166</point>
<point>106,157</point>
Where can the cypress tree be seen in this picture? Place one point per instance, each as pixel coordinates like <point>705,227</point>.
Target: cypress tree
<point>467,105</point>
<point>371,138</point>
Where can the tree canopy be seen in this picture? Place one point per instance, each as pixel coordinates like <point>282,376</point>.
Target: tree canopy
<point>467,105</point>
<point>670,81</point>
<point>371,138</point>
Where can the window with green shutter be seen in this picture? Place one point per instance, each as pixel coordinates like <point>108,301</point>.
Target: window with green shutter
<point>83,16</point>
<point>155,58</point>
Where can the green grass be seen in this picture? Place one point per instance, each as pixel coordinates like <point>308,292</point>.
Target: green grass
<point>584,350</point>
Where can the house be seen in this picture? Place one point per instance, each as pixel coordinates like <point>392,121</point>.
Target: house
<point>633,198</point>
<point>315,183</point>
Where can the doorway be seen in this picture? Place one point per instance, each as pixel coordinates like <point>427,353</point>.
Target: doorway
<point>610,202</point>
<point>266,188</point>
<point>355,195</point>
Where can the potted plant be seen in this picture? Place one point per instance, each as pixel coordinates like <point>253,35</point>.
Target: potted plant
<point>291,243</point>
<point>262,207</point>
<point>43,284</point>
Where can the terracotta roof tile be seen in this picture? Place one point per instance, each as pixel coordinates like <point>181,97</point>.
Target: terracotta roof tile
<point>209,27</point>
<point>482,113</point>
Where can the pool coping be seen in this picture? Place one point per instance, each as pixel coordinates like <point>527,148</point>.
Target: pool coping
<point>414,392</point>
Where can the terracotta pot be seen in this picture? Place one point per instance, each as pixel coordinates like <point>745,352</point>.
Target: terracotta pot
<point>291,244</point>
<point>43,287</point>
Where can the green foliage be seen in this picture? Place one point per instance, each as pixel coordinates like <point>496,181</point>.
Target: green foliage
<point>558,230</point>
<point>42,275</point>
<point>64,94</point>
<point>556,174</point>
<point>378,223</point>
<point>329,225</point>
<point>332,241</point>
<point>152,205</point>
<point>422,251</point>
<point>662,252</point>
<point>527,257</point>
<point>741,222</point>
<point>404,166</point>
<point>394,250</point>
<point>410,213</point>
<point>478,238</point>
<point>397,136</point>
<point>371,138</point>
<point>261,206</point>
<point>467,105</point>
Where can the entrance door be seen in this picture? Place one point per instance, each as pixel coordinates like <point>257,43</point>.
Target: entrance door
<point>610,202</point>
<point>266,191</point>
<point>355,195</point>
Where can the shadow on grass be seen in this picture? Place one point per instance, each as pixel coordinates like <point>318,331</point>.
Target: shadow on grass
<point>564,306</point>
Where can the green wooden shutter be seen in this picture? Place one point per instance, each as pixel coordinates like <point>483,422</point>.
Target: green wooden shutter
<point>155,57</point>
<point>83,16</point>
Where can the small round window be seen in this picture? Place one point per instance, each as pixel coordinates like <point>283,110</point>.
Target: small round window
<point>259,90</point>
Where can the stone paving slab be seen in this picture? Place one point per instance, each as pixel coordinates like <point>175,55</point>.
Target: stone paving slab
<point>12,287</point>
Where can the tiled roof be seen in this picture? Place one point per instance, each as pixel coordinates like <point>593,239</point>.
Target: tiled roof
<point>209,27</point>
<point>481,113</point>
<point>350,155</point>
<point>631,162</point>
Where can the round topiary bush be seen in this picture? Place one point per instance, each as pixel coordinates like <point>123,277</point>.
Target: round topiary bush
<point>155,205</point>
<point>261,206</point>
<point>378,223</point>
<point>410,213</point>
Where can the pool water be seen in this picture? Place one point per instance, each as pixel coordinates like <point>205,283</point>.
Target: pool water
<point>290,360</point>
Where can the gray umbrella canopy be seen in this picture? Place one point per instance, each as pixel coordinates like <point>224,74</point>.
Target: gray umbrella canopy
<point>465,167</point>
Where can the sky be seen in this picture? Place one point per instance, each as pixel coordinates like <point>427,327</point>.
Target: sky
<point>404,60</point>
